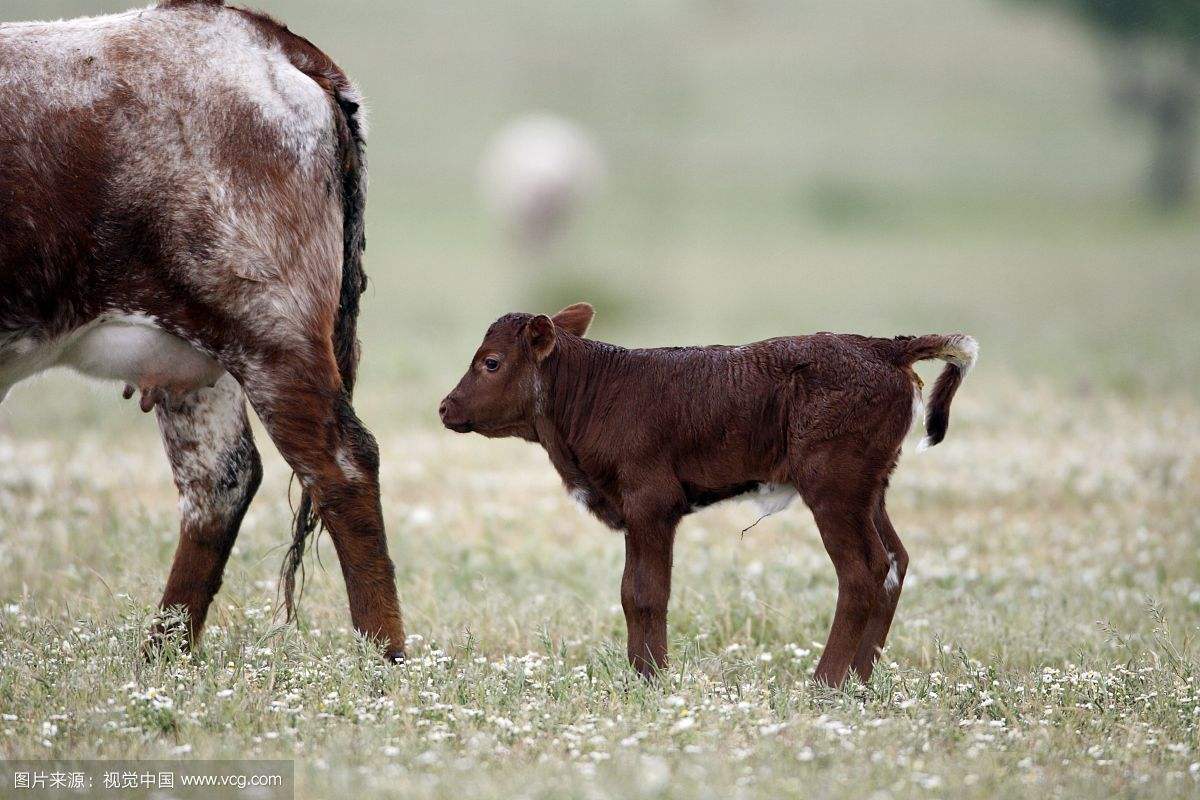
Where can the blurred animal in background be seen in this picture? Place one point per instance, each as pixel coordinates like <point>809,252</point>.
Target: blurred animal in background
<point>641,438</point>
<point>536,175</point>
<point>183,196</point>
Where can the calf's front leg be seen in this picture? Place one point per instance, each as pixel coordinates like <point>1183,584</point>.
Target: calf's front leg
<point>645,592</point>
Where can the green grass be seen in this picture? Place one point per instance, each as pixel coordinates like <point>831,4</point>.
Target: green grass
<point>777,167</point>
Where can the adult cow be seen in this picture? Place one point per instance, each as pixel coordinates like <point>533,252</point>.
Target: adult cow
<point>181,209</point>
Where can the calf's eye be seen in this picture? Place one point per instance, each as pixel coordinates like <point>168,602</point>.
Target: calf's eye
<point>491,364</point>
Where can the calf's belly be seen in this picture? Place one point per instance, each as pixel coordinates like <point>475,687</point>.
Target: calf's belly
<point>770,498</point>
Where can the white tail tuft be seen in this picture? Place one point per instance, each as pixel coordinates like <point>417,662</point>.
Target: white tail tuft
<point>962,351</point>
<point>924,445</point>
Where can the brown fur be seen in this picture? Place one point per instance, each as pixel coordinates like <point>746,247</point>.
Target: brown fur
<point>648,436</point>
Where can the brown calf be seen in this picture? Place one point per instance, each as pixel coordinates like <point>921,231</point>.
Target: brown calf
<point>181,210</point>
<point>644,437</point>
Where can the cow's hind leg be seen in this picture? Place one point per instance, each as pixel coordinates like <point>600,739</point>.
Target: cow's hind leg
<point>217,471</point>
<point>305,408</point>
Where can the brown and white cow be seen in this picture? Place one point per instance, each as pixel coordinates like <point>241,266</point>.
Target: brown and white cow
<point>181,209</point>
<point>643,437</point>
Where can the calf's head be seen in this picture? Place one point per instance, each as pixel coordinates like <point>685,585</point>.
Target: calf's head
<point>498,394</point>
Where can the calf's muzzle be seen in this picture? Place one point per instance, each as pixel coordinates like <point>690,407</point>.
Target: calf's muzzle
<point>450,410</point>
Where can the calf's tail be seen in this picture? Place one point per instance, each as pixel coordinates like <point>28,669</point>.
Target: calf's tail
<point>960,352</point>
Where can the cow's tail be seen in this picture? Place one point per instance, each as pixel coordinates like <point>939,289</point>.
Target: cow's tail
<point>351,162</point>
<point>960,352</point>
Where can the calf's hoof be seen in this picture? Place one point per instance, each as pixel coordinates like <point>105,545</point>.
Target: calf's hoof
<point>829,679</point>
<point>161,635</point>
<point>646,669</point>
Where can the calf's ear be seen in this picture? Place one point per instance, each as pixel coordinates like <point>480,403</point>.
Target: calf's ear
<point>540,333</point>
<point>575,318</point>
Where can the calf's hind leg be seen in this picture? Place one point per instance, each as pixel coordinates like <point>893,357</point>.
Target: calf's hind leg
<point>841,493</point>
<point>308,414</point>
<point>876,632</point>
<point>217,471</point>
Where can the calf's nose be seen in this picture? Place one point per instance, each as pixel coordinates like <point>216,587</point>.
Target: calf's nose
<point>452,415</point>
<point>449,410</point>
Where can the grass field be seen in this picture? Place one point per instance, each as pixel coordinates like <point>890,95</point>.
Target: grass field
<point>1045,640</point>
<point>776,168</point>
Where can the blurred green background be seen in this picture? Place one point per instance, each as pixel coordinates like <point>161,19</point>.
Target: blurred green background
<point>773,167</point>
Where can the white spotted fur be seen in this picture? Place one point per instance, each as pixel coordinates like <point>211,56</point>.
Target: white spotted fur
<point>189,62</point>
<point>581,497</point>
<point>197,439</point>
<point>346,463</point>
<point>892,581</point>
<point>218,50</point>
<point>918,407</point>
<point>772,498</point>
